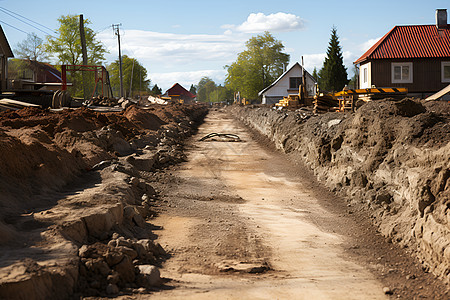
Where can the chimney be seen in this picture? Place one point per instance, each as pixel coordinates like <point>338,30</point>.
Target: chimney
<point>441,18</point>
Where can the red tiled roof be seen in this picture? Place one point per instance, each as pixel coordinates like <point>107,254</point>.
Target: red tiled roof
<point>178,90</point>
<point>412,41</point>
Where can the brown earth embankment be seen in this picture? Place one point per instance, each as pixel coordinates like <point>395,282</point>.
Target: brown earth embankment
<point>75,199</point>
<point>391,158</point>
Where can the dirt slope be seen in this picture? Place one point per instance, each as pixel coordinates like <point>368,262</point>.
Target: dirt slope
<point>391,158</point>
<point>74,198</point>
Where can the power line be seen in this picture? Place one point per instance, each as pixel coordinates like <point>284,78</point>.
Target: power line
<point>11,14</point>
<point>97,32</point>
<point>29,19</point>
<point>15,27</point>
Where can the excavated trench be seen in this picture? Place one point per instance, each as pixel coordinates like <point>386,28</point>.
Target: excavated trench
<point>80,193</point>
<point>390,158</point>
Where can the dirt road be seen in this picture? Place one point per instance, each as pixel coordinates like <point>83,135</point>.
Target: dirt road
<point>241,224</point>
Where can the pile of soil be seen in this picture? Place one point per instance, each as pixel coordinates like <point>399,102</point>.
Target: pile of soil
<point>391,158</point>
<point>77,177</point>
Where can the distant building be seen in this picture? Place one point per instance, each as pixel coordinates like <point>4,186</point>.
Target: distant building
<point>287,83</point>
<point>29,72</point>
<point>177,93</point>
<point>416,57</point>
<point>5,53</point>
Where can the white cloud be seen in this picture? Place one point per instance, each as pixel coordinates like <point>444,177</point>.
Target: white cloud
<point>316,60</point>
<point>182,58</point>
<point>312,61</point>
<point>366,45</point>
<point>259,22</point>
<point>166,80</point>
<point>175,48</point>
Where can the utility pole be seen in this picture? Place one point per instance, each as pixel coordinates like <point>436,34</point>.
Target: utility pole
<point>84,52</point>
<point>131,79</point>
<point>117,32</point>
<point>140,85</point>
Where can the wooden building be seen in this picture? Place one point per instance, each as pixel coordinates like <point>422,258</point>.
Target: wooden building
<point>28,72</point>
<point>5,53</point>
<point>287,84</point>
<point>179,94</point>
<point>416,57</point>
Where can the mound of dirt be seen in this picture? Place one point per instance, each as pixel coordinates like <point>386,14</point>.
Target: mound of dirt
<point>74,178</point>
<point>390,157</point>
<point>143,119</point>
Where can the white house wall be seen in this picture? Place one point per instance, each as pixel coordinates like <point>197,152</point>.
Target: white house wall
<point>365,69</point>
<point>280,89</point>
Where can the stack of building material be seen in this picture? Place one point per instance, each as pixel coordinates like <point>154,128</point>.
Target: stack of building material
<point>324,103</point>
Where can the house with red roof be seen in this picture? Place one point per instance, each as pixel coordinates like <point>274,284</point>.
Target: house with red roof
<point>177,93</point>
<point>416,57</point>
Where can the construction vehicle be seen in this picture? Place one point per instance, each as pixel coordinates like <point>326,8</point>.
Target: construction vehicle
<point>349,99</point>
<point>296,100</point>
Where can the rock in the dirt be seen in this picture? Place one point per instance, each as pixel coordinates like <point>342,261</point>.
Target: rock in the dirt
<point>128,213</point>
<point>132,254</point>
<point>153,247</point>
<point>112,243</point>
<point>113,278</point>
<point>112,289</point>
<point>387,291</point>
<point>149,276</point>
<point>99,266</point>
<point>140,250</point>
<point>126,270</point>
<point>150,190</point>
<point>139,220</point>
<point>121,241</point>
<point>113,258</point>
<point>84,251</point>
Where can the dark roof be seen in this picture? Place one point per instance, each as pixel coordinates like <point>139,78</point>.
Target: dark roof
<point>178,90</point>
<point>412,41</point>
<point>4,45</point>
<point>282,75</point>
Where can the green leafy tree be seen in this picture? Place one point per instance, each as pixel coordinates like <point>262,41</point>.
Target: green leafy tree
<point>193,89</point>
<point>219,94</point>
<point>315,74</point>
<point>258,66</point>
<point>333,75</point>
<point>205,86</point>
<point>66,48</point>
<point>156,90</point>
<point>353,83</point>
<point>31,49</point>
<point>133,73</point>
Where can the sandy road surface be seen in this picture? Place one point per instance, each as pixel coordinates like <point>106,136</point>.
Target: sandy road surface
<point>239,207</point>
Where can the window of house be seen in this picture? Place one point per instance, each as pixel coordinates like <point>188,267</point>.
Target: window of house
<point>365,75</point>
<point>402,72</point>
<point>294,82</point>
<point>445,70</point>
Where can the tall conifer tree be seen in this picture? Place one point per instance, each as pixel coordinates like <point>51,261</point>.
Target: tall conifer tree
<point>333,75</point>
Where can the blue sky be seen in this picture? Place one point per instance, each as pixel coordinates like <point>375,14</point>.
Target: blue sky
<point>182,41</point>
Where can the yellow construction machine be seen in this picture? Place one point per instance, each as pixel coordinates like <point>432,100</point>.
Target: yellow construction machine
<point>296,100</point>
<point>346,100</point>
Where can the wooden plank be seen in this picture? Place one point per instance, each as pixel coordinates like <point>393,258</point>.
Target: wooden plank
<point>439,94</point>
<point>16,103</point>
